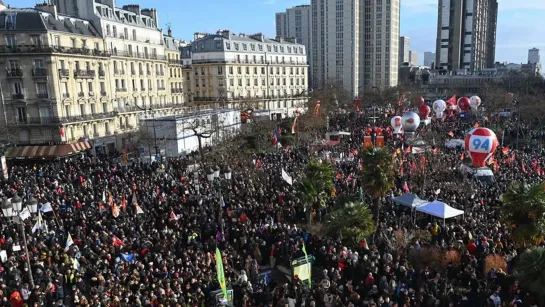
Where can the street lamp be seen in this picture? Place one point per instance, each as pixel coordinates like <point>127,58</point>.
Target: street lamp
<point>210,175</point>
<point>7,208</point>
<point>32,205</point>
<point>227,173</point>
<point>11,208</point>
<point>216,172</point>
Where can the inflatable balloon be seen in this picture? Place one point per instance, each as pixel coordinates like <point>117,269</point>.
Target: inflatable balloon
<point>410,122</point>
<point>463,104</point>
<point>439,107</point>
<point>396,124</point>
<point>424,111</point>
<point>474,102</point>
<point>421,100</point>
<point>480,143</point>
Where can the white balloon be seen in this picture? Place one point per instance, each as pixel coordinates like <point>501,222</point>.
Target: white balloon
<point>439,107</point>
<point>396,124</point>
<point>475,101</point>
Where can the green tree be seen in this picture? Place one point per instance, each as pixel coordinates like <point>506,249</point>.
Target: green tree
<point>377,176</point>
<point>352,221</point>
<point>316,186</point>
<point>524,212</point>
<point>529,269</point>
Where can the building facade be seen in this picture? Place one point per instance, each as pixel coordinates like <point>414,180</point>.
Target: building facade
<point>241,71</point>
<point>379,54</point>
<point>413,58</point>
<point>56,85</point>
<point>534,56</point>
<point>87,74</point>
<point>336,43</point>
<point>466,34</point>
<point>297,22</point>
<point>429,59</point>
<point>404,53</point>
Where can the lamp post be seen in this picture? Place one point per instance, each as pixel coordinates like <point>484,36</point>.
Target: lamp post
<point>212,174</point>
<point>12,208</point>
<point>154,127</point>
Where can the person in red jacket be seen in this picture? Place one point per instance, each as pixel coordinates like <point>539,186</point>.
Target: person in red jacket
<point>472,247</point>
<point>272,256</point>
<point>16,299</point>
<point>369,281</point>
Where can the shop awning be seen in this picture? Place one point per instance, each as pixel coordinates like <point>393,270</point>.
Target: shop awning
<point>47,152</point>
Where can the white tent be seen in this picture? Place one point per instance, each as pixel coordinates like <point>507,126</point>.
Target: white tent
<point>440,210</point>
<point>409,200</point>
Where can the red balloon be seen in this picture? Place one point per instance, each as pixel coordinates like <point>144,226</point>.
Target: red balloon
<point>424,111</point>
<point>464,104</point>
<point>480,143</point>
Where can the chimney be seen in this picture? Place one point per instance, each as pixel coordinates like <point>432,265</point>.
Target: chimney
<point>152,13</point>
<point>169,32</point>
<point>199,35</point>
<point>225,33</point>
<point>291,40</point>
<point>48,7</point>
<point>258,36</point>
<point>134,8</point>
<point>279,39</point>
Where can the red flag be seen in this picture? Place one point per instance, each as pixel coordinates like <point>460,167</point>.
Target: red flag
<point>451,134</point>
<point>534,164</point>
<point>539,170</point>
<point>423,163</point>
<point>117,242</point>
<point>462,156</point>
<point>505,150</point>
<point>339,175</point>
<point>451,101</point>
<point>173,216</point>
<point>406,188</point>
<point>258,163</point>
<point>476,125</point>
<point>408,149</point>
<point>523,167</point>
<point>413,167</point>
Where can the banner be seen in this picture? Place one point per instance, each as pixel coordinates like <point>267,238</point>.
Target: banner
<point>380,141</point>
<point>309,268</point>
<point>367,142</point>
<point>221,275</point>
<point>286,177</point>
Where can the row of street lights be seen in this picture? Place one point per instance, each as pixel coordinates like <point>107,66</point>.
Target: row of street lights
<point>11,208</point>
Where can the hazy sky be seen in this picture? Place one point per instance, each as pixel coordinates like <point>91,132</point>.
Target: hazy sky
<point>521,23</point>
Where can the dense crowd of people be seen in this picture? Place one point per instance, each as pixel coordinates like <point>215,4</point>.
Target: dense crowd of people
<point>146,234</point>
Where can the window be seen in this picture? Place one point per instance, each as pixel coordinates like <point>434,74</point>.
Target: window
<point>262,70</point>
<point>102,87</point>
<point>134,35</point>
<point>41,88</point>
<point>35,40</point>
<point>228,46</point>
<point>247,70</point>
<point>230,70</point>
<point>17,88</point>
<point>247,82</point>
<point>114,31</point>
<point>255,82</point>
<point>74,43</point>
<point>239,82</point>
<point>108,31</point>
<point>236,46</point>
<point>244,47</point>
<point>260,48</point>
<point>90,86</point>
<point>21,115</point>
<point>10,40</point>
<point>220,70</point>
<point>231,82</point>
<point>57,41</point>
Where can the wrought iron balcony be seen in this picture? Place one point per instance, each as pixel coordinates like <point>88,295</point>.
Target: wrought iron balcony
<point>18,96</point>
<point>101,73</point>
<point>14,73</point>
<point>121,89</point>
<point>39,72</point>
<point>42,95</point>
<point>64,72</point>
<point>84,73</point>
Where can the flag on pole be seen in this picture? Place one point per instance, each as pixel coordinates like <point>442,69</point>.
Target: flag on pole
<point>308,266</point>
<point>294,125</point>
<point>39,223</point>
<point>69,241</point>
<point>117,242</point>
<point>104,196</point>
<point>46,208</point>
<point>222,201</point>
<point>139,210</point>
<point>173,216</point>
<point>220,273</point>
<point>287,178</point>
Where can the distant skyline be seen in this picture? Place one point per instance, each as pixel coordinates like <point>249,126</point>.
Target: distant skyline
<point>521,25</point>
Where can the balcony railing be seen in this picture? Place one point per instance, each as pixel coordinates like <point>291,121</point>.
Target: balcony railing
<point>121,89</point>
<point>176,90</point>
<point>161,88</point>
<point>101,73</point>
<point>65,95</point>
<point>39,72</point>
<point>43,49</point>
<point>64,72</point>
<point>42,95</point>
<point>85,117</point>
<point>128,109</point>
<point>138,55</point>
<point>103,93</point>
<point>18,96</point>
<point>84,73</point>
<point>14,73</point>
<point>96,134</point>
<point>175,62</point>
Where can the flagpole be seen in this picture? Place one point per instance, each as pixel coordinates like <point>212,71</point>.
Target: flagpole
<point>30,276</point>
